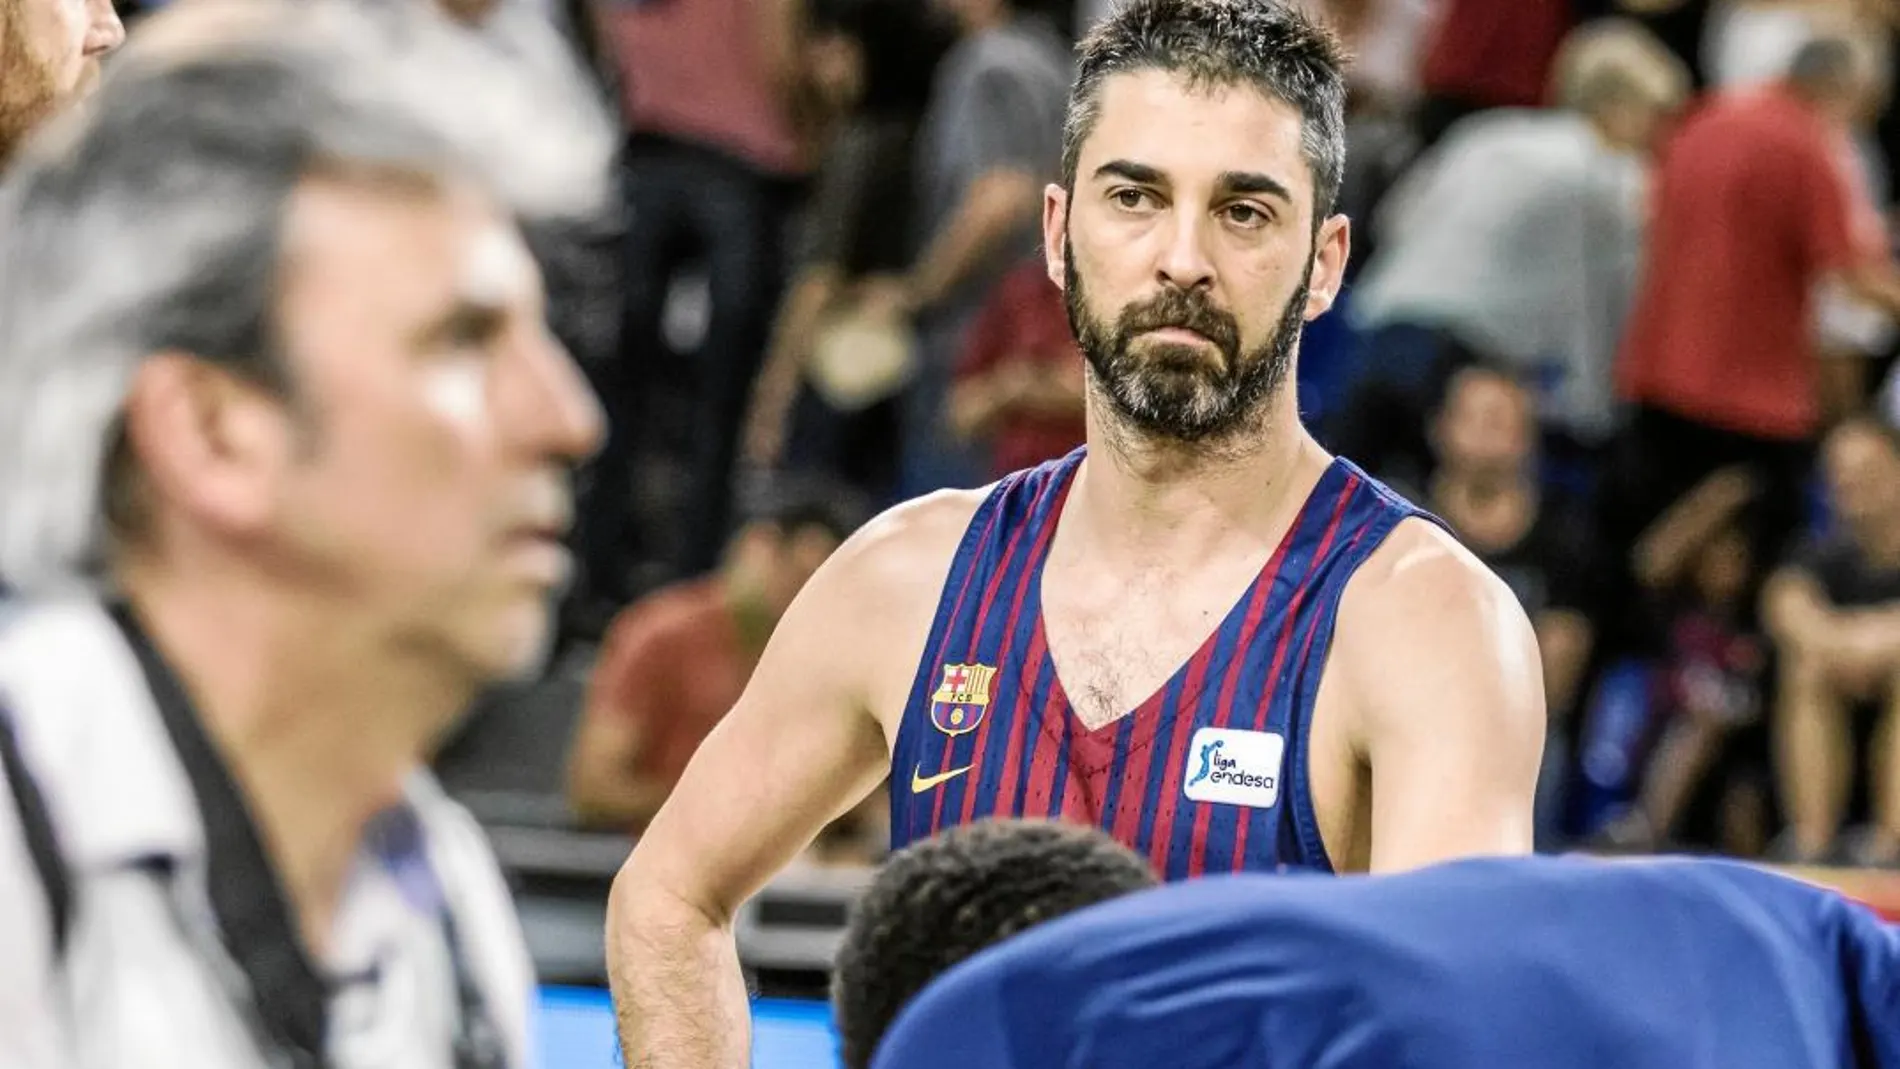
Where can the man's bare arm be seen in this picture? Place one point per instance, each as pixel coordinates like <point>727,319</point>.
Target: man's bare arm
<point>1444,677</point>
<point>799,749</point>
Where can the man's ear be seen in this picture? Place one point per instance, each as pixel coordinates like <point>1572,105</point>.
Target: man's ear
<point>1055,224</point>
<point>206,442</point>
<point>1332,247</point>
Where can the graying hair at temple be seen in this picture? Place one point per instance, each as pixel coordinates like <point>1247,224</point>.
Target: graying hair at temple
<point>148,221</point>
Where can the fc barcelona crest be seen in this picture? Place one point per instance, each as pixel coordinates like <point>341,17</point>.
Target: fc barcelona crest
<point>960,702</point>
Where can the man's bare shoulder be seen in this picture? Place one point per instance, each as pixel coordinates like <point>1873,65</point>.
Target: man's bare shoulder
<point>1420,566</point>
<point>1444,700</point>
<point>1423,594</point>
<point>869,611</point>
<point>906,551</point>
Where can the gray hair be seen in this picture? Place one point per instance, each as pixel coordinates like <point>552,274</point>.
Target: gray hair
<point>1269,45</point>
<point>1834,65</point>
<point>147,220</point>
<point>1614,61</point>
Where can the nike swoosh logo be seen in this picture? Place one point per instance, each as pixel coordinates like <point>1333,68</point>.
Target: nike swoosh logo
<point>919,783</point>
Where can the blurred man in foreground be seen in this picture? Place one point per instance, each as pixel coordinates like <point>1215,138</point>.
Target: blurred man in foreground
<point>283,454</point>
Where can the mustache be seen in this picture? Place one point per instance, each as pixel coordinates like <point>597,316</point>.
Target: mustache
<point>1183,309</point>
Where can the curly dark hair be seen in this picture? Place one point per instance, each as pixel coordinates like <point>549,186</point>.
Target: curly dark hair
<point>1268,44</point>
<point>942,900</point>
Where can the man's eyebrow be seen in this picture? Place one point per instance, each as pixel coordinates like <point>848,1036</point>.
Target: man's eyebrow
<point>466,318</point>
<point>1130,171</point>
<point>1253,182</point>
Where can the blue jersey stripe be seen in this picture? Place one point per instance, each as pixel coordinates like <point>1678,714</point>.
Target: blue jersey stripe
<point>1134,765</point>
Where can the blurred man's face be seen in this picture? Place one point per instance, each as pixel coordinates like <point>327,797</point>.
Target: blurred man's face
<point>49,55</point>
<point>835,63</point>
<point>439,419</point>
<point>1863,474</point>
<point>1187,254</point>
<point>1485,428</point>
<point>803,553</point>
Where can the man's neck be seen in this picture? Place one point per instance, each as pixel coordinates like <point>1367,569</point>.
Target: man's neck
<point>1140,496</point>
<point>317,720</point>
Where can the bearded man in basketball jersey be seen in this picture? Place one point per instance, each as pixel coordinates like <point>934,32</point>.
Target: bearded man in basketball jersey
<point>1201,633</point>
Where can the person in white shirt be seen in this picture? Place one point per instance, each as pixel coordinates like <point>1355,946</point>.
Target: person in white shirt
<point>1519,235</point>
<point>284,458</point>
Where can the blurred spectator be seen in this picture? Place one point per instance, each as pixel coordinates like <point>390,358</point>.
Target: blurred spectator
<point>715,96</point>
<point>1887,404</point>
<point>1488,54</point>
<point>991,137</point>
<point>1020,381</point>
<point>1753,42</point>
<point>1681,25</point>
<point>1386,39</point>
<point>1519,235</point>
<point>1834,612</point>
<point>875,60</point>
<point>1752,211</point>
<point>580,259</point>
<point>676,661</point>
<point>49,55</point>
<point>1486,488</point>
<point>1696,566</point>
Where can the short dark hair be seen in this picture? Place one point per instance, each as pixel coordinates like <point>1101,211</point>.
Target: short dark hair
<point>790,506</point>
<point>941,900</point>
<point>1826,64</point>
<point>1267,44</point>
<point>1468,365</point>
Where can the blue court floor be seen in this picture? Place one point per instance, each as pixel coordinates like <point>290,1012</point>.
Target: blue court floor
<point>577,1032</point>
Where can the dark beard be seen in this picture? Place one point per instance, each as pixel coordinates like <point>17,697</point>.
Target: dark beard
<point>1171,391</point>
<point>26,92</point>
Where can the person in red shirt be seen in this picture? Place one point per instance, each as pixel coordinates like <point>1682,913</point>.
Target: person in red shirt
<point>675,661</point>
<point>1488,54</point>
<point>1752,211</point>
<point>1020,379</point>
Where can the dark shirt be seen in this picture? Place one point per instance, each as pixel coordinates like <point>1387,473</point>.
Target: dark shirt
<point>1552,567</point>
<point>1849,579</point>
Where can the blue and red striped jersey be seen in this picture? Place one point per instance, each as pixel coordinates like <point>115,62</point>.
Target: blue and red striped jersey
<point>1209,773</point>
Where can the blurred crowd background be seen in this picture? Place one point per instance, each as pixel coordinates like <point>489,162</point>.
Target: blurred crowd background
<point>1620,311</point>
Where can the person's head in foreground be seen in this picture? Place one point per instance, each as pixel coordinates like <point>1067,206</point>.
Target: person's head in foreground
<point>978,951</point>
<point>942,900</point>
<point>1193,232</point>
<point>49,56</point>
<point>273,344</point>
